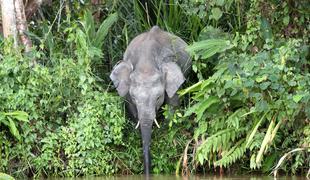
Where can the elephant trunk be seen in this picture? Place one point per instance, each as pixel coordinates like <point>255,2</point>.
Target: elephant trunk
<point>146,132</point>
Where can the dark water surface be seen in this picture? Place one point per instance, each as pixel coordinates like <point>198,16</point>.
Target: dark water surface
<point>172,177</point>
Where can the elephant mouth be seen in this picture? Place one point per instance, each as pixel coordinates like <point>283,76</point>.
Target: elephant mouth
<point>138,124</point>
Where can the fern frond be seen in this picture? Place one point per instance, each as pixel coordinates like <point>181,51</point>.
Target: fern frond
<point>201,107</point>
<point>235,118</point>
<point>232,155</point>
<point>217,142</point>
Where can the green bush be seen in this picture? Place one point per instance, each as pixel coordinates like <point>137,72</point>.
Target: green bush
<point>255,106</point>
<point>73,122</point>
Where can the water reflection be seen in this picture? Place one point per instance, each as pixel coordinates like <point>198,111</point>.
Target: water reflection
<point>171,177</point>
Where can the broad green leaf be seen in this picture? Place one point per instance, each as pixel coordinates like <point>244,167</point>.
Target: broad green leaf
<point>206,44</point>
<point>208,48</point>
<point>81,39</point>
<point>192,88</point>
<point>104,29</point>
<point>269,162</point>
<point>13,129</point>
<point>210,52</point>
<point>261,105</point>
<point>19,115</point>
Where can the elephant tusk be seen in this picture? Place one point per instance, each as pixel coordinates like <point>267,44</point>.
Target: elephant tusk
<point>156,123</point>
<point>137,125</point>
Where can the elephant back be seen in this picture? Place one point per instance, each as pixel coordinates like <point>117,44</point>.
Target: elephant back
<point>169,47</point>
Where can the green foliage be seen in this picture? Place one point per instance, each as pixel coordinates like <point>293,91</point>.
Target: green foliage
<point>86,139</point>
<point>251,102</point>
<point>249,108</point>
<point>73,122</point>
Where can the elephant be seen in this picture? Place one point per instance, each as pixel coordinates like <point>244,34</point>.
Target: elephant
<point>153,68</point>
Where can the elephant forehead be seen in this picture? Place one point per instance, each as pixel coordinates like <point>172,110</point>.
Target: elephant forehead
<point>145,78</point>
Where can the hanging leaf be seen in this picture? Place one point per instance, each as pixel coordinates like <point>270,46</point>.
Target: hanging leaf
<point>13,129</point>
<point>104,29</point>
<point>251,136</point>
<point>266,140</point>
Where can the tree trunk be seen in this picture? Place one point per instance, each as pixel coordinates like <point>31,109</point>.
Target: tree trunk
<point>14,22</point>
<point>9,20</point>
<point>21,24</point>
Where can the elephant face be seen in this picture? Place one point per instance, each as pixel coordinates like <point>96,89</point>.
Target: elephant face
<point>147,85</point>
<point>147,92</point>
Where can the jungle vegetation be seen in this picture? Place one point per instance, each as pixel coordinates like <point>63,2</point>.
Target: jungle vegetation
<point>245,107</point>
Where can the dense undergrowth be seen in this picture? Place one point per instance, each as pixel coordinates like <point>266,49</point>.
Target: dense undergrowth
<point>246,106</point>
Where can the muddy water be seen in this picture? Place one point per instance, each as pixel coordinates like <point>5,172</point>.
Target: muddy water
<point>171,177</point>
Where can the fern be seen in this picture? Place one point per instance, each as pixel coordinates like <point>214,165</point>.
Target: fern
<point>236,118</point>
<point>232,155</point>
<point>201,107</point>
<point>217,142</point>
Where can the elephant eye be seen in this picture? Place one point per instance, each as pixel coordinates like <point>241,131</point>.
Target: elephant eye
<point>158,98</point>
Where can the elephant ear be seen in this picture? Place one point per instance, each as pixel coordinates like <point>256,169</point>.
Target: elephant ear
<point>120,77</point>
<point>174,77</point>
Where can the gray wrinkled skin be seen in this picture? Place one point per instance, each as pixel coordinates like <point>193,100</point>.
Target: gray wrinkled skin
<point>151,72</point>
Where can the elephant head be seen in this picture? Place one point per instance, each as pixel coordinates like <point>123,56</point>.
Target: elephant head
<point>148,74</point>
